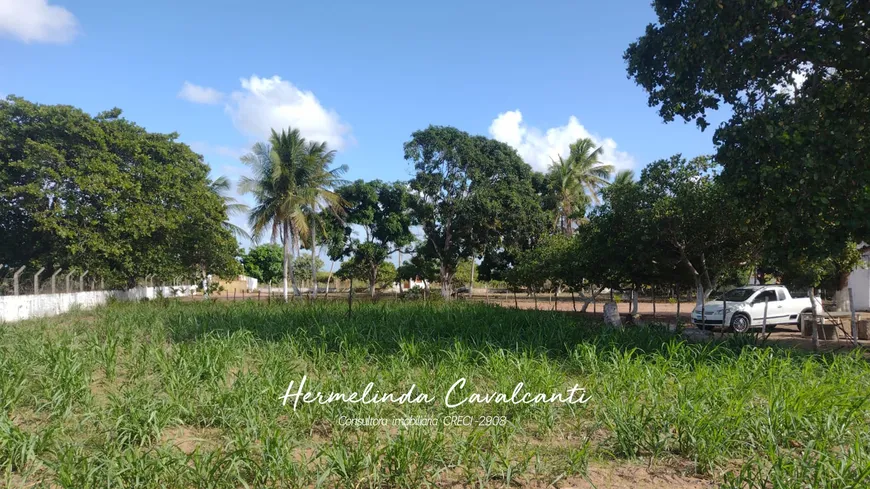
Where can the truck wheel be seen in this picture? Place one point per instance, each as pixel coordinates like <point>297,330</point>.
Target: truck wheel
<point>740,323</point>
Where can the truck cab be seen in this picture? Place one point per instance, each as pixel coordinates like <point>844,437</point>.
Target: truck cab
<point>744,308</point>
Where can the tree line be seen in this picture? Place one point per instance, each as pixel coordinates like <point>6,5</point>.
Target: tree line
<point>678,226</point>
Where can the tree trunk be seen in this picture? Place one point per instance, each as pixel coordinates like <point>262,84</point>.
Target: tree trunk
<point>471,285</point>
<point>400,264</point>
<point>313,262</point>
<point>288,269</point>
<point>295,252</point>
<point>677,292</point>
<point>446,285</point>
<point>373,279</point>
<point>328,278</point>
<point>815,337</point>
<point>350,298</point>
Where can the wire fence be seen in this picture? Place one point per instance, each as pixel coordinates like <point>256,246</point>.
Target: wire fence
<point>28,280</point>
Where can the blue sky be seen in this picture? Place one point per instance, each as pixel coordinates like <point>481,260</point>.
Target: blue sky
<point>361,75</point>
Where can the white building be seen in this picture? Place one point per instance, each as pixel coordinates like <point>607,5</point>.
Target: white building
<point>859,280</point>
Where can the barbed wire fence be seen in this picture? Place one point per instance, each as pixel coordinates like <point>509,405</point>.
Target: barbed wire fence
<point>27,280</point>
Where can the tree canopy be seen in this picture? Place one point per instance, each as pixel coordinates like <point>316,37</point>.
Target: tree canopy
<point>794,74</point>
<point>382,211</point>
<point>473,195</point>
<point>103,194</point>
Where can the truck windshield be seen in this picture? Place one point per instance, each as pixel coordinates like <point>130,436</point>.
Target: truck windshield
<point>737,295</point>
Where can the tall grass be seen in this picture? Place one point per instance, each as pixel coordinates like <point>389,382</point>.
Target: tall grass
<point>188,395</point>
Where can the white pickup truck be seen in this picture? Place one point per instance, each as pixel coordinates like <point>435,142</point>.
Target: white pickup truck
<point>744,308</point>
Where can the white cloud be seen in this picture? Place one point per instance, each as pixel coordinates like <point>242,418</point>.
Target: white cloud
<point>267,103</point>
<point>199,94</point>
<point>537,147</point>
<point>37,21</point>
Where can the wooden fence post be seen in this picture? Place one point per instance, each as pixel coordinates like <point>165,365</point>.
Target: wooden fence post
<point>854,318</point>
<point>350,298</point>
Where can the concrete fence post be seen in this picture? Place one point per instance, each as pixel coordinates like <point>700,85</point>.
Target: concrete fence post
<point>53,279</point>
<point>68,276</point>
<point>36,280</point>
<point>82,281</point>
<point>15,279</point>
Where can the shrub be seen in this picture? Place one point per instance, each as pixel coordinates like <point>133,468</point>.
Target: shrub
<point>414,293</point>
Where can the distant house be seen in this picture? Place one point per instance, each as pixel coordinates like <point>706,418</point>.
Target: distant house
<point>238,283</point>
<point>859,280</point>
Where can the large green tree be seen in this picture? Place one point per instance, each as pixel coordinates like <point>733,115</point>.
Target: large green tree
<point>421,267</point>
<point>264,262</point>
<point>473,196</point>
<point>678,223</point>
<point>382,212</point>
<point>103,194</point>
<point>794,74</point>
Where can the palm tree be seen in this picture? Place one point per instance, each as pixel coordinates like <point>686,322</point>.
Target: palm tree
<point>278,168</point>
<point>589,172</point>
<point>623,177</point>
<point>292,182</point>
<point>318,195</point>
<point>220,186</point>
<point>569,193</point>
<point>577,181</point>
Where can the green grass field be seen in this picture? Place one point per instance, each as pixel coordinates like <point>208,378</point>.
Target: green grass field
<point>167,394</point>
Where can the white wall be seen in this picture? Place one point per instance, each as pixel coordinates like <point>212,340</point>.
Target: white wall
<point>20,307</point>
<point>859,281</point>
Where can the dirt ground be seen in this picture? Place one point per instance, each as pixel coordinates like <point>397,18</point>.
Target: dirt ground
<point>785,335</point>
<point>626,476</point>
